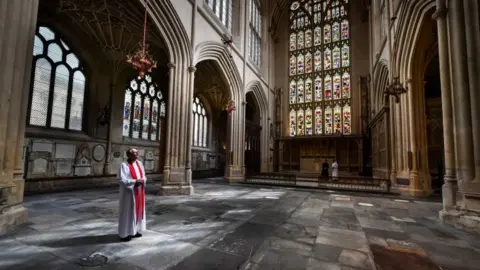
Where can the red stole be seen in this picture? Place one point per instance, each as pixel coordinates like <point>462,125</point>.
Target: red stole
<point>139,191</point>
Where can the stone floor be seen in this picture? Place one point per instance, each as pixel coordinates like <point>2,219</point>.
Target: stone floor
<point>239,227</point>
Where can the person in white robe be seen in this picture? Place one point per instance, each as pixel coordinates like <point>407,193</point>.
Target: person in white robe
<point>334,170</point>
<point>131,177</point>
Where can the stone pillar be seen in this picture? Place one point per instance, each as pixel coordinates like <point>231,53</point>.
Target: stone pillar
<point>472,28</point>
<point>176,180</point>
<point>449,189</point>
<point>188,162</point>
<point>236,148</point>
<point>18,20</point>
<point>416,188</point>
<point>461,96</point>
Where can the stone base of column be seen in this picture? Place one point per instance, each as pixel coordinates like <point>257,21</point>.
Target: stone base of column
<point>12,216</point>
<point>235,174</point>
<point>175,190</point>
<point>461,219</point>
<point>408,191</point>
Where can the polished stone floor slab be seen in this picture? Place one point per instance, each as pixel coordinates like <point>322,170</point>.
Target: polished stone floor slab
<point>239,227</point>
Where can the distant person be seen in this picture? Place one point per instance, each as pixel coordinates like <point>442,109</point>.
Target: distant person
<point>131,176</point>
<point>324,169</point>
<point>334,170</point>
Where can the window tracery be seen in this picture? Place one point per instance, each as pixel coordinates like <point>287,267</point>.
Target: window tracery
<point>144,109</point>
<point>200,124</point>
<point>255,32</point>
<point>320,91</point>
<point>58,84</point>
<point>223,11</point>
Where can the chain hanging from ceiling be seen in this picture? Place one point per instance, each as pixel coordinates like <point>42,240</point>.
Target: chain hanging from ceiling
<point>141,59</point>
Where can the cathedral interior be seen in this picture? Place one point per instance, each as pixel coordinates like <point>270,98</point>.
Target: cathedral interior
<point>235,107</point>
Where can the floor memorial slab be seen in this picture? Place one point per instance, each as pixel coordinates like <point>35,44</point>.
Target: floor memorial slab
<point>236,227</point>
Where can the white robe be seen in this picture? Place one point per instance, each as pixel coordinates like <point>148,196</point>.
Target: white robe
<point>335,169</point>
<point>127,225</point>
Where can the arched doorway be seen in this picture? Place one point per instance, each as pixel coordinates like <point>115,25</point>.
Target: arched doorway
<point>210,121</point>
<point>433,112</point>
<point>253,131</point>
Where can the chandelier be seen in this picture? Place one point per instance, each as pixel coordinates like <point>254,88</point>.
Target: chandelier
<point>141,60</point>
<point>395,89</point>
<point>230,107</point>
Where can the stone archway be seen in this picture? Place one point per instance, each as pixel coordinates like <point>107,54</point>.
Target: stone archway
<point>216,52</point>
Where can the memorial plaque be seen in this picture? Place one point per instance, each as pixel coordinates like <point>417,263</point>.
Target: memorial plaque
<point>149,165</point>
<point>64,150</point>
<point>150,155</point>
<point>98,152</point>
<point>141,153</point>
<point>63,167</point>
<point>40,165</point>
<point>213,162</point>
<point>117,155</point>
<point>83,170</point>
<point>42,146</point>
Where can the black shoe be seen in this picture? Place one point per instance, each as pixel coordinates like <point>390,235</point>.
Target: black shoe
<point>137,235</point>
<point>126,239</point>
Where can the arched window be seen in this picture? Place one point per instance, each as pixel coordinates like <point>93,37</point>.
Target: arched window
<point>58,84</point>
<point>255,32</point>
<point>319,57</point>
<point>200,124</point>
<point>223,11</point>
<point>143,109</point>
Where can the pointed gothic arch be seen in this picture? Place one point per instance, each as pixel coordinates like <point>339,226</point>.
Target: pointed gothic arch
<point>261,100</point>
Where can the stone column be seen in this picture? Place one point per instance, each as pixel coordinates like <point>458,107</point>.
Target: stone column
<point>473,55</point>
<point>188,162</point>
<point>18,20</point>
<point>461,96</point>
<point>175,179</point>
<point>449,189</point>
<point>416,189</point>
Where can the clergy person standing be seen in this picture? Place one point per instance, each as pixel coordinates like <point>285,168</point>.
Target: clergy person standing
<point>334,170</point>
<point>131,177</point>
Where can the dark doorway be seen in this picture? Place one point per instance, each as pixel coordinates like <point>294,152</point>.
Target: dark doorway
<point>433,111</point>
<point>252,137</point>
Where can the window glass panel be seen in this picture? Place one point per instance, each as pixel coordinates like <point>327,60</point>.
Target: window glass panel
<point>76,102</point>
<point>127,112</point>
<point>60,95</point>
<point>55,53</point>
<point>200,124</point>
<point>40,93</point>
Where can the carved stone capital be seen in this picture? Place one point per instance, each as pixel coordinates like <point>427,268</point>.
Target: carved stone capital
<point>171,65</point>
<point>192,69</point>
<point>440,13</point>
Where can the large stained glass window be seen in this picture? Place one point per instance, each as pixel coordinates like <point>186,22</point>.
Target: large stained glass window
<point>223,11</point>
<point>319,68</point>
<point>58,84</point>
<point>143,109</point>
<point>200,124</point>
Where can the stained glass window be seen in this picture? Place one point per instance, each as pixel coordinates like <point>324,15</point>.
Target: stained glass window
<point>200,124</point>
<point>255,32</point>
<point>143,109</point>
<point>223,11</point>
<point>319,53</point>
<point>58,84</point>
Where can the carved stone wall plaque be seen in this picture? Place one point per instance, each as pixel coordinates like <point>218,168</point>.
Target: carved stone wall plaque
<point>40,165</point>
<point>64,150</point>
<point>63,167</point>
<point>83,170</point>
<point>42,146</point>
<point>98,152</point>
<point>149,165</point>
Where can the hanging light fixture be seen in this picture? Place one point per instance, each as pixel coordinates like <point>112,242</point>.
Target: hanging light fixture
<point>141,60</point>
<point>395,89</point>
<point>230,107</point>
